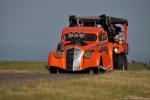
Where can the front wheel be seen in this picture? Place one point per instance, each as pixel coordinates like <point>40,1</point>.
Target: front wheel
<point>121,62</point>
<point>93,70</point>
<point>53,70</point>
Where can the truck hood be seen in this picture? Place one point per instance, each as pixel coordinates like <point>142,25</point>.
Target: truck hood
<point>84,48</point>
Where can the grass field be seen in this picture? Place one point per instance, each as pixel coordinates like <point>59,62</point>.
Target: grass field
<point>23,67</point>
<point>133,84</point>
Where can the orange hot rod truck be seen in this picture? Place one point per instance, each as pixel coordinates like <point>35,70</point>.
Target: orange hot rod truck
<point>91,44</point>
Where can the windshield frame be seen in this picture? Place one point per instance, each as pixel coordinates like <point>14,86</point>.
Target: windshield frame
<point>84,36</point>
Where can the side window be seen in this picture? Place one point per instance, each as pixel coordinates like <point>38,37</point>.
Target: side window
<point>102,36</point>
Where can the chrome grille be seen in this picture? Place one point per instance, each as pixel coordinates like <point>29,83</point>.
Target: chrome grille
<point>69,58</point>
<point>74,58</point>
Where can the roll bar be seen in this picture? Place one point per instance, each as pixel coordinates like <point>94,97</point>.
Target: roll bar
<point>95,20</point>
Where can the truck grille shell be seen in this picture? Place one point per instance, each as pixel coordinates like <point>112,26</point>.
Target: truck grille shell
<point>73,59</point>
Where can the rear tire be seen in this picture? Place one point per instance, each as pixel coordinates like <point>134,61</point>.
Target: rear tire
<point>121,62</point>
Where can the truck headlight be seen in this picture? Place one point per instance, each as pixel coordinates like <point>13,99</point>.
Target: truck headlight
<point>116,50</point>
<point>58,54</point>
<point>120,42</point>
<point>88,54</point>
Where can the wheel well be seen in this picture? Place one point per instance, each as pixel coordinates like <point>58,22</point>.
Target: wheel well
<point>101,61</point>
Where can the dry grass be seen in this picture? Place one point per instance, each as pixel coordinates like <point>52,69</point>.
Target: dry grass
<point>108,86</point>
<point>22,67</point>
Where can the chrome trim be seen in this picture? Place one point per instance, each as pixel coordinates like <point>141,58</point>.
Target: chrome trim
<point>78,53</point>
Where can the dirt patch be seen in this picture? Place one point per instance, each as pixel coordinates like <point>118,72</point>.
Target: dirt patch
<point>21,77</point>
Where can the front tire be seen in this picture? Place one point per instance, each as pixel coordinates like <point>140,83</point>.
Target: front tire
<point>53,70</point>
<point>93,70</point>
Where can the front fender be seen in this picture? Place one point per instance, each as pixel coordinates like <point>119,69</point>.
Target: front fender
<point>91,62</point>
<point>56,62</point>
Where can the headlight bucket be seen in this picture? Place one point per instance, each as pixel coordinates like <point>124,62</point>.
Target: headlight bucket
<point>88,54</point>
<point>120,42</point>
<point>58,54</point>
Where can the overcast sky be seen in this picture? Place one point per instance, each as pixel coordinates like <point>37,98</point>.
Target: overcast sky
<point>30,29</point>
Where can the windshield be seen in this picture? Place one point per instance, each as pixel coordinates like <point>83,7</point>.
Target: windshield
<point>84,36</point>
